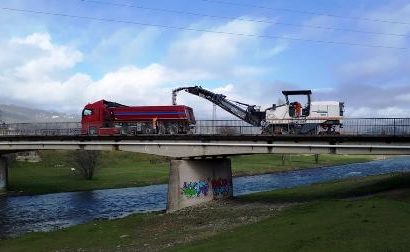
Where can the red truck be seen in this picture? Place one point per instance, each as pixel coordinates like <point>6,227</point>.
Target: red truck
<point>105,118</point>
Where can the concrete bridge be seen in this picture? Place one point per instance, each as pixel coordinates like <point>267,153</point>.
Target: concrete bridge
<point>200,169</point>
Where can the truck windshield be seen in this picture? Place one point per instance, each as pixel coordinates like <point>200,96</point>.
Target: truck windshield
<point>87,112</point>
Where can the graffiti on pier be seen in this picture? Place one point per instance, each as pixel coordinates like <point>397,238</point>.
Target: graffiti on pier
<point>221,187</point>
<point>195,189</point>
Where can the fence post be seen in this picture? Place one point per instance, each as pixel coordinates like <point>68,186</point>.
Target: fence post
<point>316,158</point>
<point>394,126</point>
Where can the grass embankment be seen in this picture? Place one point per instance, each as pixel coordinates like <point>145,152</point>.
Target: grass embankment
<point>122,169</point>
<point>325,222</point>
<point>268,163</point>
<point>321,217</point>
<point>116,170</point>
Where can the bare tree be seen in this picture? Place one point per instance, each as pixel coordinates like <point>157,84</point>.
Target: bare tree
<point>86,161</point>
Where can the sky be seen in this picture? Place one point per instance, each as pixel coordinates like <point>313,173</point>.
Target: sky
<point>60,55</point>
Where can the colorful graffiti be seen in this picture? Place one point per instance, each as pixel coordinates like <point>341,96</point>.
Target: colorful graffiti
<point>221,187</point>
<point>195,189</point>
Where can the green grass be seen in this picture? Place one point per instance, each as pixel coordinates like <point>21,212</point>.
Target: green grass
<point>123,169</point>
<point>117,169</point>
<point>98,234</point>
<point>267,163</point>
<point>328,220</point>
<point>364,225</point>
<point>378,223</point>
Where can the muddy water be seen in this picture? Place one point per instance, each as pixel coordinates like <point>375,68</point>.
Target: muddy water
<point>22,214</point>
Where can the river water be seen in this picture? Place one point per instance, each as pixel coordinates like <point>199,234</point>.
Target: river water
<point>22,214</point>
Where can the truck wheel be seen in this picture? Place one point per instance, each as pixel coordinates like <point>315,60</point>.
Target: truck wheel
<point>92,131</point>
<point>148,130</point>
<point>161,129</point>
<point>173,130</point>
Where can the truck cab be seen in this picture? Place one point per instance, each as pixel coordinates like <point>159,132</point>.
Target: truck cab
<point>97,116</point>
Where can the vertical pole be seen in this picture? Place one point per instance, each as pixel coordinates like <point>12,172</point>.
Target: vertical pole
<point>283,159</point>
<point>317,158</point>
<point>3,173</point>
<point>213,118</point>
<point>394,126</point>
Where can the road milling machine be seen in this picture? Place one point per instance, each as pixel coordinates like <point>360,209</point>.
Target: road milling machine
<point>291,117</point>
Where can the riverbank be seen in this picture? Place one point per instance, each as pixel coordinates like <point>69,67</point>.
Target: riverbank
<point>346,215</point>
<point>121,169</point>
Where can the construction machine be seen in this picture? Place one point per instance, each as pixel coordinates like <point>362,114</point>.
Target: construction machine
<point>291,117</point>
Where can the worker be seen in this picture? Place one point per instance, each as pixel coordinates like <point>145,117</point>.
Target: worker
<point>155,124</point>
<point>298,109</point>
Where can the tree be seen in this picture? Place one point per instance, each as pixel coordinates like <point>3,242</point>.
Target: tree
<point>86,161</point>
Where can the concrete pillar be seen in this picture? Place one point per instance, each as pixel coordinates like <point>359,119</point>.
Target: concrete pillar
<point>3,173</point>
<point>197,181</point>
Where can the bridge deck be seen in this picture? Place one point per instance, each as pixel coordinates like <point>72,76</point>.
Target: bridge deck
<point>205,138</point>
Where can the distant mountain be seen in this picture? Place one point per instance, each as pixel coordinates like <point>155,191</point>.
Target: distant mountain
<point>14,114</point>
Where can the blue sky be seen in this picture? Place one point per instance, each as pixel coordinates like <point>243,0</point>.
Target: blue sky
<point>61,63</point>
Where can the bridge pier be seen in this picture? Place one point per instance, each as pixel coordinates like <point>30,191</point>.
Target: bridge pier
<point>3,173</point>
<point>196,181</point>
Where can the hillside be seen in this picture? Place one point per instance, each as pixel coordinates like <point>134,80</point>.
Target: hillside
<point>13,114</point>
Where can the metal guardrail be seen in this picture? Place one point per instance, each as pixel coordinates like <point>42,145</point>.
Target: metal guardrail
<point>41,129</point>
<point>350,127</point>
<point>225,127</point>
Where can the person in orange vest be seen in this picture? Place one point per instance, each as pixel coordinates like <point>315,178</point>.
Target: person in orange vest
<point>155,124</point>
<point>298,109</point>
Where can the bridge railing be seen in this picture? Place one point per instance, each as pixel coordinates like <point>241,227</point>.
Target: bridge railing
<point>376,126</point>
<point>41,129</point>
<point>225,127</point>
<point>350,127</point>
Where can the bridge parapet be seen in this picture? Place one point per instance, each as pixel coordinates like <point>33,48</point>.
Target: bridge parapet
<point>350,127</point>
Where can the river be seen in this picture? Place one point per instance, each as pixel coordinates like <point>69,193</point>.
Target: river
<point>22,214</point>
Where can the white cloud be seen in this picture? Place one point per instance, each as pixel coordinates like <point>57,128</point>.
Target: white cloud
<point>225,89</point>
<point>368,112</point>
<point>32,69</point>
<point>375,81</point>
<point>53,58</point>
<point>215,55</point>
<point>44,79</point>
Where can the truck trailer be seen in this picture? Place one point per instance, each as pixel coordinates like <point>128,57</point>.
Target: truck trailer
<point>105,118</point>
